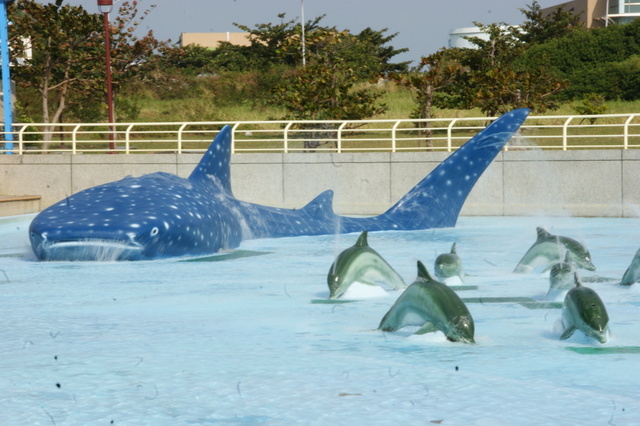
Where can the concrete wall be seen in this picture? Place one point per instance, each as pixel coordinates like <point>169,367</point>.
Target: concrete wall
<point>579,183</point>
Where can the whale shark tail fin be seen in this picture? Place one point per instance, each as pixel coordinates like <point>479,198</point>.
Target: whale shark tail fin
<point>215,164</point>
<point>437,200</point>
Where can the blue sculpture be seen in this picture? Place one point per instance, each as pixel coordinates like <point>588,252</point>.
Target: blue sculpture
<point>162,215</point>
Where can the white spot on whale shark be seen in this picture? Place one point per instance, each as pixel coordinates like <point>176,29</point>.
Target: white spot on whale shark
<point>200,215</point>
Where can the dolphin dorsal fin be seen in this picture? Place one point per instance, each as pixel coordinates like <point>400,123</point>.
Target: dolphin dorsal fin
<point>576,279</point>
<point>214,165</point>
<point>362,240</point>
<point>453,249</point>
<point>423,272</point>
<point>542,233</point>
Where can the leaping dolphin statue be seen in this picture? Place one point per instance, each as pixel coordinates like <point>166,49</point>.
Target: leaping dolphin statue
<point>361,264</point>
<point>549,249</point>
<point>448,265</point>
<point>584,310</point>
<point>432,306</point>
<point>162,215</point>
<point>632,274</point>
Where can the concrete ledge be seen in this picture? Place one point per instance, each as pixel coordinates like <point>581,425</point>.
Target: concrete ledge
<point>553,183</point>
<point>18,205</point>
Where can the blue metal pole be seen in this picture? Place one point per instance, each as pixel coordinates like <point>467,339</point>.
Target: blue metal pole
<point>6,78</point>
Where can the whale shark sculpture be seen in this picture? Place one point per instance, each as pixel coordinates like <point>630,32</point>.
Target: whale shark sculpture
<point>433,306</point>
<point>448,265</point>
<point>549,249</point>
<point>162,215</point>
<point>361,264</point>
<point>584,310</point>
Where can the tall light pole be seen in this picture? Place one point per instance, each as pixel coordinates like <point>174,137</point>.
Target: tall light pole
<point>6,78</point>
<point>105,7</point>
<point>304,54</point>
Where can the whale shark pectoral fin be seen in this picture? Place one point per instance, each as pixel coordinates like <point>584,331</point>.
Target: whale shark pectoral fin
<point>568,333</point>
<point>427,327</point>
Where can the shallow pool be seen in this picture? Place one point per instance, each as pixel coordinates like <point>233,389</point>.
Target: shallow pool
<point>247,340</point>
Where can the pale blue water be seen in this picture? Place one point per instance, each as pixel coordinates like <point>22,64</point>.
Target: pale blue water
<point>242,342</point>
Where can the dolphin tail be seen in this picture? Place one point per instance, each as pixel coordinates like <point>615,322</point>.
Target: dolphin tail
<point>437,200</point>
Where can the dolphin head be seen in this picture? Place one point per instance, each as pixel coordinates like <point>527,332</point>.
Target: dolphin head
<point>462,329</point>
<point>448,265</point>
<point>131,219</point>
<point>577,253</point>
<point>596,318</point>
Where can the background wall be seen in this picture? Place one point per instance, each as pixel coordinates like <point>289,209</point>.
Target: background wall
<point>557,183</point>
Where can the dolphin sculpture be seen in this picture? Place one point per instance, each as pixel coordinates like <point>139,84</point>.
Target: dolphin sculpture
<point>561,277</point>
<point>448,265</point>
<point>433,306</point>
<point>549,249</point>
<point>161,215</point>
<point>360,264</point>
<point>632,274</point>
<point>584,310</point>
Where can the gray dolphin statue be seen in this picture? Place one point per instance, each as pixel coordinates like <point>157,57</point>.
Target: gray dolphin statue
<point>584,310</point>
<point>549,249</point>
<point>632,274</point>
<point>561,277</point>
<point>360,263</point>
<point>448,265</point>
<point>433,306</point>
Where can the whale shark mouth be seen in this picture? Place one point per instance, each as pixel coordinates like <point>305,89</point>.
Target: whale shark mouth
<point>91,250</point>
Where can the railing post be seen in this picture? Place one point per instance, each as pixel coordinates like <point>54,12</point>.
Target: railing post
<point>233,137</point>
<point>21,139</point>
<point>626,131</point>
<point>339,141</point>
<point>449,134</point>
<point>565,132</point>
<point>285,148</point>
<point>127,138</point>
<point>394,143</point>
<point>180,141</point>
<point>74,139</point>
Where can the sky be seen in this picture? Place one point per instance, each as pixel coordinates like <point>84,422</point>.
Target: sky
<point>422,25</point>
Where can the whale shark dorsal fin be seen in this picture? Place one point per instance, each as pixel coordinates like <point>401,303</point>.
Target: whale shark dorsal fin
<point>214,165</point>
<point>453,249</point>
<point>362,240</point>
<point>542,233</point>
<point>423,273</point>
<point>321,206</point>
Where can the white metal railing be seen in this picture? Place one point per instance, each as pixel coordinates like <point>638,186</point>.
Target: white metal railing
<point>560,132</point>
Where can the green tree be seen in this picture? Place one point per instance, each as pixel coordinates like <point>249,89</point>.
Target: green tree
<point>67,67</point>
<point>327,88</point>
<point>538,28</point>
<point>498,81</point>
<point>435,73</point>
<point>64,44</point>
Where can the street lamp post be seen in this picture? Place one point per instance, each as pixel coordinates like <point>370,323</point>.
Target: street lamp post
<point>105,7</point>
<point>303,43</point>
<point>6,78</point>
